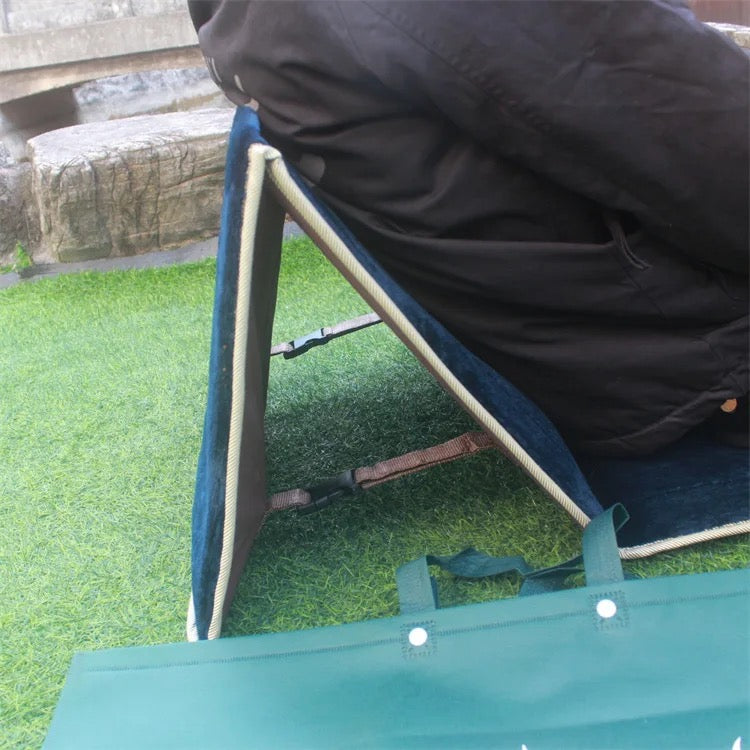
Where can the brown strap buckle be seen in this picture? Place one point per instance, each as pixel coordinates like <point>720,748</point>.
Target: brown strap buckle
<point>352,481</point>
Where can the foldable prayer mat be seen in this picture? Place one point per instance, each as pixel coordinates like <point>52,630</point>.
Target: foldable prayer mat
<point>628,664</point>
<point>693,491</point>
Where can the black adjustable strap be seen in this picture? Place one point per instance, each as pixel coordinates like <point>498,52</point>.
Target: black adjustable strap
<point>322,336</point>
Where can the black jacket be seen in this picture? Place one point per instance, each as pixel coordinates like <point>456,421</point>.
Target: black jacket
<point>563,184</point>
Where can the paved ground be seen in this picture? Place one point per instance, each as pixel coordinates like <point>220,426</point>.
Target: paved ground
<point>187,254</point>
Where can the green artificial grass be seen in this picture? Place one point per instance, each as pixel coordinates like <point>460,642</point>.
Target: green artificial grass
<point>102,381</point>
<point>102,391</point>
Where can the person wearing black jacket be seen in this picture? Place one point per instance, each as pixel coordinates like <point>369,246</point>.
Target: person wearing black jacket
<point>563,184</point>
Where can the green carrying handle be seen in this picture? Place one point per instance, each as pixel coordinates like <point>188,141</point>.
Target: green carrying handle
<point>417,590</point>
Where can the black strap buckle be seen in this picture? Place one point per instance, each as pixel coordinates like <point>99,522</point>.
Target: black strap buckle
<point>305,343</point>
<point>329,490</point>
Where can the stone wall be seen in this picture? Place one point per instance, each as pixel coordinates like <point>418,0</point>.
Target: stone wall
<point>26,16</point>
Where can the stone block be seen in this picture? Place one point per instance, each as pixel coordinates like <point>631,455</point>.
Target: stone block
<point>130,186</point>
<point>18,216</point>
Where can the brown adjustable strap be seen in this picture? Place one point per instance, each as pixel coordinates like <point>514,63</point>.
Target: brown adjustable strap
<point>289,499</point>
<point>324,335</point>
<point>349,482</point>
<point>410,463</point>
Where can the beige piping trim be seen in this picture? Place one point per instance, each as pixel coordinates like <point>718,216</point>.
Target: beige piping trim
<point>306,215</point>
<point>256,171</point>
<point>668,545</point>
<point>191,628</point>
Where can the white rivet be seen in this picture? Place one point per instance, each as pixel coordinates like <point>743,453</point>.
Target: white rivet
<point>418,636</point>
<point>606,608</point>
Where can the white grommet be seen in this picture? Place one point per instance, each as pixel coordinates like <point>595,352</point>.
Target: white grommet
<point>418,636</point>
<point>606,608</point>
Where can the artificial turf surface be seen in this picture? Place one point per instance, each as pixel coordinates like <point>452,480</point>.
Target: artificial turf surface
<point>102,390</point>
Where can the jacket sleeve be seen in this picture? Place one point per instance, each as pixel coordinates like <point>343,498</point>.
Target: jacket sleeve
<point>634,104</point>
